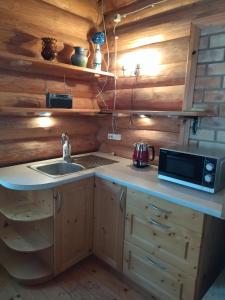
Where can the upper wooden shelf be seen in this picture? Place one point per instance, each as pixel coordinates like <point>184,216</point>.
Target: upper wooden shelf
<point>159,113</point>
<point>54,69</point>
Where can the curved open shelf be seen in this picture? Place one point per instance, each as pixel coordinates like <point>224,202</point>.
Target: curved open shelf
<point>26,268</point>
<point>25,212</point>
<point>25,239</point>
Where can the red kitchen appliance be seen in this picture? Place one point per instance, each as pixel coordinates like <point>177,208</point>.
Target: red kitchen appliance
<point>141,155</point>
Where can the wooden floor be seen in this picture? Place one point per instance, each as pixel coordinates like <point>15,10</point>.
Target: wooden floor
<point>88,280</point>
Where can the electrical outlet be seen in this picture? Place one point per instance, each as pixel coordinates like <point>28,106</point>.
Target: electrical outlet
<point>114,136</point>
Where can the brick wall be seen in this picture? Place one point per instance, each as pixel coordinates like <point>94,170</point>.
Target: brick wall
<point>210,88</point>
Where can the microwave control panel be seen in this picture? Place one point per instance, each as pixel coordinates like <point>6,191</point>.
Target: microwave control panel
<point>209,172</point>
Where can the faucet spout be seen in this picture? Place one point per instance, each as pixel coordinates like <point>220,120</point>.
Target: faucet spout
<point>66,148</point>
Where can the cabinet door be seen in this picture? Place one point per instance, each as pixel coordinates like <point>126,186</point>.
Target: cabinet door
<point>109,213</point>
<point>73,223</point>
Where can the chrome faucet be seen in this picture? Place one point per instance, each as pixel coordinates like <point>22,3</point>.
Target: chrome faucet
<point>66,147</point>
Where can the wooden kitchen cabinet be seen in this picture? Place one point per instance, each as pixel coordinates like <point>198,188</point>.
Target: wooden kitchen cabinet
<point>73,209</point>
<point>109,213</point>
<point>172,251</point>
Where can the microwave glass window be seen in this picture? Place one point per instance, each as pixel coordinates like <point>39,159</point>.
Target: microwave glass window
<point>178,167</point>
<point>184,167</point>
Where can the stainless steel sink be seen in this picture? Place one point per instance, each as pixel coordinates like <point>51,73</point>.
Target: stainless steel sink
<point>58,169</point>
<point>79,163</point>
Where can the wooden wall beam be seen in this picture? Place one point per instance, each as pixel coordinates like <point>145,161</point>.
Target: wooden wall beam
<point>87,9</point>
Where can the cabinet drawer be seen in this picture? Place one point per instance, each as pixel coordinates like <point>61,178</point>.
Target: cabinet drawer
<point>158,277</point>
<point>175,244</point>
<point>165,211</point>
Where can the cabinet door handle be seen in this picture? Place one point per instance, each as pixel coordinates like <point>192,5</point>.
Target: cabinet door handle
<point>58,201</point>
<point>161,210</point>
<point>122,201</point>
<point>153,222</point>
<point>155,264</point>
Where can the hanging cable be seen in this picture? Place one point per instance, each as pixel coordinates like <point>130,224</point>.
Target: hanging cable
<point>107,49</point>
<point>114,125</point>
<point>140,9</point>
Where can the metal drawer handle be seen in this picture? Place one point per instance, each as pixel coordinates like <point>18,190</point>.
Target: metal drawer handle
<point>153,222</point>
<point>161,210</point>
<point>156,264</point>
<point>122,200</point>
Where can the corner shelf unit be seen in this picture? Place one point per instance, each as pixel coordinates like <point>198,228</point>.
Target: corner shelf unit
<point>26,268</point>
<point>54,69</point>
<point>24,239</point>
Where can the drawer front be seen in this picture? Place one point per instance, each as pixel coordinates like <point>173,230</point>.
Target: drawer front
<point>158,277</point>
<point>166,212</point>
<point>177,245</point>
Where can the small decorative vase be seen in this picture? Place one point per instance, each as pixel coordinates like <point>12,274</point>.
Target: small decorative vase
<point>80,57</point>
<point>98,39</point>
<point>97,62</point>
<point>49,48</point>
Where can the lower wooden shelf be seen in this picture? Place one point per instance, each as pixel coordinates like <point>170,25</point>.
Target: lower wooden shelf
<point>26,268</point>
<point>25,212</point>
<point>44,112</point>
<point>25,239</point>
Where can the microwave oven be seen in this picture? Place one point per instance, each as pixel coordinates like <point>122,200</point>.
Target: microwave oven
<point>198,168</point>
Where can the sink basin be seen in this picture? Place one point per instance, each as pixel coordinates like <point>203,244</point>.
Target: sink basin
<point>79,163</point>
<point>58,169</point>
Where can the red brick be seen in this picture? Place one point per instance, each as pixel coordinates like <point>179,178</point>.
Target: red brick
<point>212,29</point>
<point>215,96</point>
<point>210,55</point>
<point>198,96</point>
<point>222,110</point>
<point>217,40</point>
<point>204,42</point>
<point>216,69</point>
<point>207,82</point>
<point>201,70</point>
<point>213,122</point>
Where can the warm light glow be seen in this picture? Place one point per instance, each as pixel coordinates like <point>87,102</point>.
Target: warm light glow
<point>45,122</point>
<point>148,40</point>
<point>141,62</point>
<point>142,116</point>
<point>45,114</point>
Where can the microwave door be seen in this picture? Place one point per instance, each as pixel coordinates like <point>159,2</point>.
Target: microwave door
<point>183,166</point>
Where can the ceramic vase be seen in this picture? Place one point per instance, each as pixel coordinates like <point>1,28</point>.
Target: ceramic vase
<point>80,57</point>
<point>49,48</point>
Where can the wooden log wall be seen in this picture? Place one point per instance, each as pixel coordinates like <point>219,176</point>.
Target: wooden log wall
<point>164,32</point>
<point>22,25</point>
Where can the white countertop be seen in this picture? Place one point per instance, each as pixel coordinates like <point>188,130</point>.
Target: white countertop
<point>21,177</point>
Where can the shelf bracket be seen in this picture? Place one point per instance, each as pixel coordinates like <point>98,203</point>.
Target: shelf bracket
<point>194,125</point>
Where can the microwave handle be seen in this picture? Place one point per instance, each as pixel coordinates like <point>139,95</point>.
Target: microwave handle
<point>153,153</point>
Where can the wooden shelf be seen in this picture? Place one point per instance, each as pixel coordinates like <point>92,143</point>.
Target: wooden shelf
<point>26,268</point>
<point>159,113</point>
<point>24,240</point>
<point>54,69</point>
<point>25,212</point>
<point>30,112</point>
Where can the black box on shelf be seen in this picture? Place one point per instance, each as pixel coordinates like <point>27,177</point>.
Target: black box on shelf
<point>59,100</point>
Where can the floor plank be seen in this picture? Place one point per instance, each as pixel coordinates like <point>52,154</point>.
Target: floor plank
<point>91,279</point>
